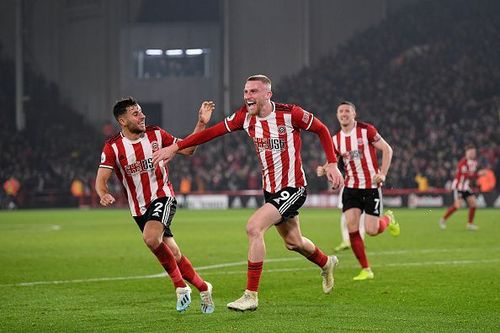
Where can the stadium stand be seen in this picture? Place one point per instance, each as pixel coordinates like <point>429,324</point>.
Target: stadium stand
<point>428,82</point>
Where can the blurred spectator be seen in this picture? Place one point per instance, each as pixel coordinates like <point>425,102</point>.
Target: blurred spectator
<point>487,181</point>
<point>185,186</point>
<point>422,182</point>
<point>77,189</point>
<point>11,187</point>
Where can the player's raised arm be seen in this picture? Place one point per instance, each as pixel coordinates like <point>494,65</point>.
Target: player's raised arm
<point>101,186</point>
<point>204,115</point>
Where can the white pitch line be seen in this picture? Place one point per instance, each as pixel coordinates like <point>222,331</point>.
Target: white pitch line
<point>154,276</point>
<point>31,227</point>
<point>401,264</point>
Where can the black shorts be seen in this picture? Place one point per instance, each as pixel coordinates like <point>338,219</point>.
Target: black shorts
<point>462,194</point>
<point>368,200</point>
<point>287,201</point>
<point>161,210</point>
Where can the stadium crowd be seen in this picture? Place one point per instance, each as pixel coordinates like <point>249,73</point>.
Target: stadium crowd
<point>56,146</point>
<point>429,83</point>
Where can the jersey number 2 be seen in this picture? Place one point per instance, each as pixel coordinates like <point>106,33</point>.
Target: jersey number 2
<point>157,210</point>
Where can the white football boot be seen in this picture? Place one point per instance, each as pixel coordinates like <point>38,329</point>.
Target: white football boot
<point>248,302</point>
<point>207,303</point>
<point>183,298</point>
<point>327,274</point>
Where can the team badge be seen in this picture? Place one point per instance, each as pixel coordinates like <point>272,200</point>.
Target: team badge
<point>154,146</point>
<point>360,142</point>
<point>281,129</point>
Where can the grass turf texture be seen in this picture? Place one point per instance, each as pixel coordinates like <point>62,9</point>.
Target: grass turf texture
<point>425,280</point>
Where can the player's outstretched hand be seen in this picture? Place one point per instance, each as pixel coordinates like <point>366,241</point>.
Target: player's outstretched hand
<point>205,113</point>
<point>164,154</point>
<point>107,200</point>
<point>333,174</point>
<point>379,178</point>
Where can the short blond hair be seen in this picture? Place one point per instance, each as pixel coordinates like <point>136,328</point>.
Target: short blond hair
<point>262,78</point>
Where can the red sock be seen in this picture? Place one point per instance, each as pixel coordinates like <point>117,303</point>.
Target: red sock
<point>167,260</point>
<point>450,211</point>
<point>383,222</point>
<point>190,275</point>
<point>318,257</point>
<point>472,211</point>
<point>253,275</point>
<point>358,247</point>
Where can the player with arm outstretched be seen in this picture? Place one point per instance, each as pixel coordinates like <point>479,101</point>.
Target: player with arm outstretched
<point>275,130</point>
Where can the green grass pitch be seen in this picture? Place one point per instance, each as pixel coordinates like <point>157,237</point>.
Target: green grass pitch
<point>89,271</point>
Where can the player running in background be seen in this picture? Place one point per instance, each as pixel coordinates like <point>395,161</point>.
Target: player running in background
<point>275,130</point>
<point>356,143</point>
<point>461,186</point>
<point>150,193</point>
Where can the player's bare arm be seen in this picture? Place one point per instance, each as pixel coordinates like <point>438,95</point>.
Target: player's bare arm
<point>167,153</point>
<point>204,115</point>
<point>386,149</point>
<point>101,186</point>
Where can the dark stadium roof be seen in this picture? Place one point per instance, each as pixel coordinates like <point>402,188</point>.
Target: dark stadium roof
<point>179,11</point>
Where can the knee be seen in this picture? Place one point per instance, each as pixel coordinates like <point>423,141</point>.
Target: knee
<point>352,227</point>
<point>151,242</point>
<point>253,230</point>
<point>177,253</point>
<point>371,228</point>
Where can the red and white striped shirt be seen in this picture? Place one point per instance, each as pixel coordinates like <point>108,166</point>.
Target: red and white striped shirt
<point>132,162</point>
<point>358,154</point>
<point>277,141</point>
<point>466,171</point>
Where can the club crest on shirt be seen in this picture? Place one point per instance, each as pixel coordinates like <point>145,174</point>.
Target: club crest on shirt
<point>360,142</point>
<point>154,146</point>
<point>281,129</point>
